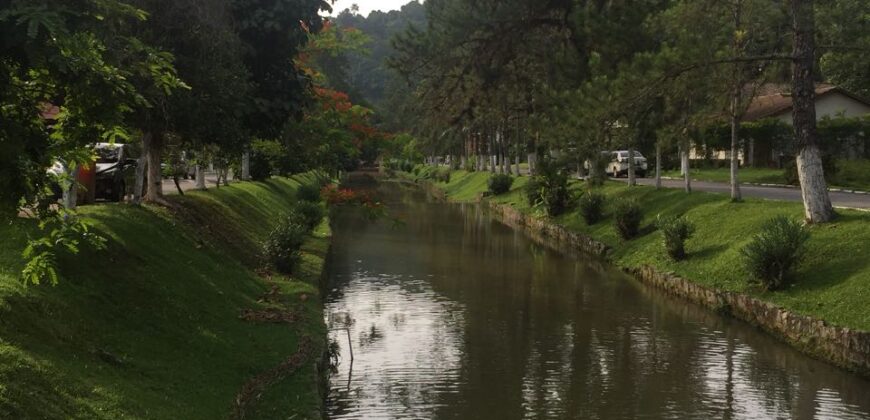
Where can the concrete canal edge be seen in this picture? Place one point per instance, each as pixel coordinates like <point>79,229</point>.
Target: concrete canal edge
<point>843,347</point>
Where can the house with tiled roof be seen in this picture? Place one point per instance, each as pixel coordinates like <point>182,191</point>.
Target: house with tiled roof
<point>774,101</point>
<point>831,101</point>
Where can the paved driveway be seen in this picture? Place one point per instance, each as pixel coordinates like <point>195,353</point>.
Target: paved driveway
<point>839,199</point>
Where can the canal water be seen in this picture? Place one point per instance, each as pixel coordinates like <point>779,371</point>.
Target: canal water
<point>452,315</point>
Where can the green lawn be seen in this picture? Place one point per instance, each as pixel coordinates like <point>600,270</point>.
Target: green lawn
<point>756,175</point>
<point>832,283</point>
<point>851,174</point>
<point>150,328</point>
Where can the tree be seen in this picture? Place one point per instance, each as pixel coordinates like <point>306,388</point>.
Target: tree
<point>814,189</point>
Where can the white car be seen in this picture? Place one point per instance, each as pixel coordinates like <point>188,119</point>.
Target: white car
<point>618,165</point>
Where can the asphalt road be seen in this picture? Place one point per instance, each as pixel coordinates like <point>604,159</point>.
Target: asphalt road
<point>187,184</point>
<point>839,199</point>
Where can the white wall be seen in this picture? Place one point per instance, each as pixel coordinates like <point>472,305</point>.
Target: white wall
<point>831,105</point>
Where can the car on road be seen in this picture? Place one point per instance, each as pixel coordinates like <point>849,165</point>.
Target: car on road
<point>116,170</point>
<point>618,164</point>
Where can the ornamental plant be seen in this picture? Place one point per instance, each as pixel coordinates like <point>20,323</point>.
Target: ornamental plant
<point>676,230</point>
<point>627,216</point>
<point>500,183</point>
<point>776,251</point>
<point>592,207</point>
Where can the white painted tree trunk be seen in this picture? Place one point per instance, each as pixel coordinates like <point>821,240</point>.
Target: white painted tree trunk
<point>814,188</point>
<point>684,163</point>
<point>658,166</point>
<point>71,192</point>
<point>139,187</point>
<point>200,178</point>
<point>153,146</point>
<point>686,173</point>
<point>246,166</point>
<point>735,148</point>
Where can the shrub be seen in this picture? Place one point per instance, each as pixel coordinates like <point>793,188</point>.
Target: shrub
<point>308,214</point>
<point>442,175</point>
<point>308,192</point>
<point>500,184</point>
<point>592,207</point>
<point>281,249</point>
<point>549,189</point>
<point>533,191</point>
<point>676,231</point>
<point>628,215</point>
<point>776,251</point>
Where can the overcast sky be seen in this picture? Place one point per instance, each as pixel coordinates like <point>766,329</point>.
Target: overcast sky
<point>367,6</point>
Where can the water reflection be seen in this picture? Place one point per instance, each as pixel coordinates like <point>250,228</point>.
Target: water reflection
<point>455,316</point>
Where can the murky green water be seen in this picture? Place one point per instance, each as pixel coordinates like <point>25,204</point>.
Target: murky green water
<point>456,316</point>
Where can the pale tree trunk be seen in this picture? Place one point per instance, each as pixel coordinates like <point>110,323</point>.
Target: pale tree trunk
<point>750,154</point>
<point>153,147</point>
<point>71,192</point>
<point>735,105</point>
<point>200,178</point>
<point>141,165</point>
<point>735,148</point>
<point>684,163</point>
<point>632,179</point>
<point>246,166</point>
<point>814,189</point>
<point>686,172</point>
<point>658,166</point>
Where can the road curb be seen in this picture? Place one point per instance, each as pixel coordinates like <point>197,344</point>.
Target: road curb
<point>757,184</point>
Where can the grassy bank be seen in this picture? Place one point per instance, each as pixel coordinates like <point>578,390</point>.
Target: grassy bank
<point>151,328</point>
<point>851,174</point>
<point>832,283</point>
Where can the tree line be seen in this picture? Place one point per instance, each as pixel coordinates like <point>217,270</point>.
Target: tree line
<point>501,81</point>
<point>216,79</point>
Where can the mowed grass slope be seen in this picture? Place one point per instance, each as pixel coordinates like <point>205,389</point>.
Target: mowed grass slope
<point>832,283</point>
<point>150,328</point>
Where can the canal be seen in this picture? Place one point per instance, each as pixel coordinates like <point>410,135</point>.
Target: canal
<point>452,315</point>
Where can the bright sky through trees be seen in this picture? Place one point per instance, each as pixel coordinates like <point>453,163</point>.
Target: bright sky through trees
<point>367,6</point>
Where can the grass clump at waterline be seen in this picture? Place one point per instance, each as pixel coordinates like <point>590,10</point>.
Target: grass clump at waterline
<point>152,328</point>
<point>831,283</point>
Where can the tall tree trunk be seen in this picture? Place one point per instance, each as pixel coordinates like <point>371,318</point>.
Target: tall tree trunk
<point>200,178</point>
<point>658,165</point>
<point>246,166</point>
<point>684,163</point>
<point>735,148</point>
<point>70,197</point>
<point>632,178</point>
<point>735,103</point>
<point>153,148</point>
<point>814,189</point>
<point>687,178</point>
<point>141,166</point>
<point>750,154</point>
